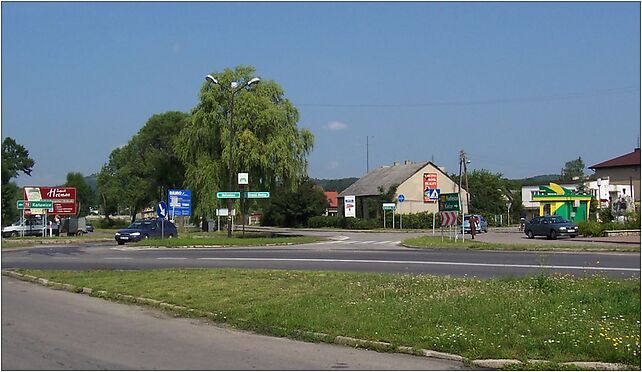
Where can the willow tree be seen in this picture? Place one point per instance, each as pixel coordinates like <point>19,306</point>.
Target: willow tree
<point>266,142</point>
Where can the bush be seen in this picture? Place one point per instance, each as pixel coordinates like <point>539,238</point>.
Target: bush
<point>594,228</point>
<point>327,221</point>
<point>108,223</point>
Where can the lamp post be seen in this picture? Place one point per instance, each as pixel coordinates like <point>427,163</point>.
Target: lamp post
<point>235,87</point>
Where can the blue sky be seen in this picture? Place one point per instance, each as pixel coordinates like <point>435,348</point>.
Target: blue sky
<point>521,87</point>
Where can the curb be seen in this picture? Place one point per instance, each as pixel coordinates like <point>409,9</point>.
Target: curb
<point>314,336</point>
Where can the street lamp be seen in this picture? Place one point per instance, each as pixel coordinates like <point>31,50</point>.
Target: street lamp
<point>235,87</point>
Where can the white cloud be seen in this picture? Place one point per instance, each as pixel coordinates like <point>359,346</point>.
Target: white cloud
<point>335,125</point>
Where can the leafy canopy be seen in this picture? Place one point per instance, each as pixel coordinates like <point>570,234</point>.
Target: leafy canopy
<point>266,142</point>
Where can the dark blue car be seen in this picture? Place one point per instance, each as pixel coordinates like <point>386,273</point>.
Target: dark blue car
<point>146,229</point>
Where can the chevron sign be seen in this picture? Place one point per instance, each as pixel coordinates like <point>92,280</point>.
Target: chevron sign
<point>448,218</point>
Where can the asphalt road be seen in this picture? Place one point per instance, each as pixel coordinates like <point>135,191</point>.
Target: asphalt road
<point>45,329</point>
<point>364,252</point>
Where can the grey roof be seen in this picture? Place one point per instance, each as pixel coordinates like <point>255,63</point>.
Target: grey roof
<point>385,176</point>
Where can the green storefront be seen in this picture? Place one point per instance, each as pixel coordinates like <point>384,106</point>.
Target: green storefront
<point>557,200</point>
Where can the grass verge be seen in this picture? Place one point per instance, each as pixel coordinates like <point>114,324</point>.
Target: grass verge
<point>55,240</point>
<point>556,318</point>
<point>436,242</point>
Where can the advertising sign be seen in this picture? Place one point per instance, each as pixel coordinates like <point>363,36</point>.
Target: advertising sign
<point>350,206</point>
<point>430,183</point>
<point>180,202</point>
<point>449,202</point>
<point>63,199</point>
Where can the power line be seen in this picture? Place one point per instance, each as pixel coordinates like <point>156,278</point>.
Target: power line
<point>542,98</point>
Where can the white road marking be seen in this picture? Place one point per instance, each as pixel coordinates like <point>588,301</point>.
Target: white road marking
<point>384,242</point>
<point>397,242</point>
<point>171,258</point>
<point>423,263</point>
<point>366,242</point>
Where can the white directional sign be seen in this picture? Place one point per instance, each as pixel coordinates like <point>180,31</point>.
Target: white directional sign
<point>243,178</point>
<point>389,206</point>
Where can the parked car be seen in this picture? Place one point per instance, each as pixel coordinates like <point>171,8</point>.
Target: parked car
<point>482,223</point>
<point>146,229</point>
<point>31,226</point>
<point>89,228</point>
<point>551,227</point>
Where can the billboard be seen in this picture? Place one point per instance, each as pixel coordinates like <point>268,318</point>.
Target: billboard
<point>430,184</point>
<point>63,199</point>
<point>350,206</point>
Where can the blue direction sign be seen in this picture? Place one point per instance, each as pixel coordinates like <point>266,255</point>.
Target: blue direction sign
<point>180,202</point>
<point>401,198</point>
<point>161,209</point>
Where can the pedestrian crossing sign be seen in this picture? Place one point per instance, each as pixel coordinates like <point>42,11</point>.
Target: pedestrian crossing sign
<point>432,194</point>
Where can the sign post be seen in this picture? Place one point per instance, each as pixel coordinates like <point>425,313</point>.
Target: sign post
<point>161,211</point>
<point>401,199</point>
<point>449,208</point>
<point>387,206</point>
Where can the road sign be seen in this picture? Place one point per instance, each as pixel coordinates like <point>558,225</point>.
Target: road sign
<point>389,206</point>
<point>243,178</point>
<point>35,204</point>
<point>161,209</point>
<point>257,194</point>
<point>432,195</point>
<point>449,202</point>
<point>228,195</point>
<point>430,182</point>
<point>180,202</point>
<point>448,218</point>
<point>401,198</point>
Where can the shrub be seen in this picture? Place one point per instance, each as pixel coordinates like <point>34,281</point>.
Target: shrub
<point>108,223</point>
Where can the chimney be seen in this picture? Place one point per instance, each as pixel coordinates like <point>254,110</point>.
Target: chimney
<point>407,162</point>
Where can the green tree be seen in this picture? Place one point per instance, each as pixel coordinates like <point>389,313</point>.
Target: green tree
<point>142,171</point>
<point>84,195</point>
<point>266,141</point>
<point>573,170</point>
<point>294,208</point>
<point>487,194</point>
<point>15,159</point>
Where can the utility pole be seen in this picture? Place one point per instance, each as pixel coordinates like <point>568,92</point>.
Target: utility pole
<point>367,155</point>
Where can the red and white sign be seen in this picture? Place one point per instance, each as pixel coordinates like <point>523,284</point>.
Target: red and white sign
<point>430,182</point>
<point>63,198</point>
<point>448,218</point>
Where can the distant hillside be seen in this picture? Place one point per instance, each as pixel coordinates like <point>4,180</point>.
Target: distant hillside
<point>537,180</point>
<point>337,185</point>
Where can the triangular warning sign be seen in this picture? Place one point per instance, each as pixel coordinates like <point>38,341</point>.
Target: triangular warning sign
<point>434,195</point>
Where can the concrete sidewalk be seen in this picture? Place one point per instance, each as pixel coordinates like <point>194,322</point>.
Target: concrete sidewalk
<point>512,235</point>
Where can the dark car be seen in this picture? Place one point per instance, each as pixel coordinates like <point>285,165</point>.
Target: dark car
<point>551,227</point>
<point>146,229</point>
<point>89,228</point>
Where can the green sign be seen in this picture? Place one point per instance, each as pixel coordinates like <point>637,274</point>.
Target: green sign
<point>449,202</point>
<point>228,195</point>
<point>40,204</point>
<point>257,194</point>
